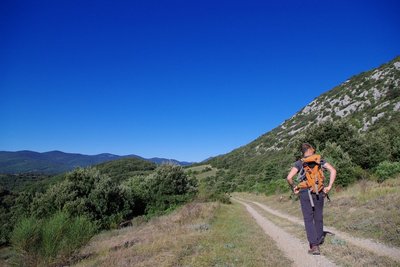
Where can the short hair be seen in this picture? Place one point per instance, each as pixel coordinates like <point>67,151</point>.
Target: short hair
<point>305,147</point>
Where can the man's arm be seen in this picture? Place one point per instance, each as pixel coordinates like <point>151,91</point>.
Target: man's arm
<point>289,179</point>
<point>332,178</point>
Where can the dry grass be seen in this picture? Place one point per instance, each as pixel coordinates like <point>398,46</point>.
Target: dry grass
<point>160,242</point>
<point>367,209</point>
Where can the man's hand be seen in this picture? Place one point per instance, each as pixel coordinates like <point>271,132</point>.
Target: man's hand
<point>296,190</point>
<point>327,189</point>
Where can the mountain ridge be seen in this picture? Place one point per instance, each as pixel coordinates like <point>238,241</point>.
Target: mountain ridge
<point>55,161</point>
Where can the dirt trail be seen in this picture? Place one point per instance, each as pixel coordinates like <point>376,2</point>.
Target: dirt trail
<point>287,243</point>
<point>372,246</point>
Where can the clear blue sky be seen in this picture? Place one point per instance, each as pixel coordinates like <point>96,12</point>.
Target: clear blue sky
<point>176,79</point>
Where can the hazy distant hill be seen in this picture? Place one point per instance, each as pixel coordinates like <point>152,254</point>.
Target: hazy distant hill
<point>57,162</point>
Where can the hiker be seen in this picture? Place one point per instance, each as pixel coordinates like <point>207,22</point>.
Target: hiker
<point>312,192</point>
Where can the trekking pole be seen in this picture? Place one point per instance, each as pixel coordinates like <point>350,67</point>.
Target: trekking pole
<point>310,196</point>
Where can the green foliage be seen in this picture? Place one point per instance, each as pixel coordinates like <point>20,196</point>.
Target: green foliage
<point>387,169</point>
<point>85,192</point>
<point>167,187</point>
<point>330,132</point>
<point>44,242</point>
<point>12,207</point>
<point>372,149</point>
<point>216,188</point>
<point>354,154</point>
<point>271,171</point>
<point>7,201</point>
<point>25,181</point>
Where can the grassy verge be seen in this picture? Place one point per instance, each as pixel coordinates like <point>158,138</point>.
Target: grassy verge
<point>235,240</point>
<point>366,209</point>
<point>198,234</point>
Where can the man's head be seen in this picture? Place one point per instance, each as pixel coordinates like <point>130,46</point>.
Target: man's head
<point>307,149</point>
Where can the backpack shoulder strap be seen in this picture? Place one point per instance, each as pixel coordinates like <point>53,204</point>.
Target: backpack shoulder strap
<point>313,158</point>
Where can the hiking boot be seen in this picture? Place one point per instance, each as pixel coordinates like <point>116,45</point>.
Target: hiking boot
<point>314,250</point>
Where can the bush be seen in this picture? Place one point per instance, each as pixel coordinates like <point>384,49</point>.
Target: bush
<point>387,169</point>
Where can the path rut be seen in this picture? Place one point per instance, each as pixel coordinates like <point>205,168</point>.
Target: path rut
<point>286,242</point>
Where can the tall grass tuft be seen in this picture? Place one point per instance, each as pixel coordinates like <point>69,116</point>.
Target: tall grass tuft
<point>80,230</point>
<point>26,239</point>
<point>50,241</point>
<point>54,232</point>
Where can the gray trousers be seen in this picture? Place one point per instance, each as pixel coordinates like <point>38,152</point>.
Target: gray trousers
<point>313,217</point>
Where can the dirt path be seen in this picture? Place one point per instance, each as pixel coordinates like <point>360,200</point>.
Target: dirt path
<point>289,244</point>
<point>372,246</point>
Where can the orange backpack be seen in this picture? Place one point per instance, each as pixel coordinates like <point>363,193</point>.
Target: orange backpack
<point>313,176</point>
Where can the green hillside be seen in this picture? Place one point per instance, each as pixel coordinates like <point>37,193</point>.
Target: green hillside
<point>356,125</point>
<point>122,169</point>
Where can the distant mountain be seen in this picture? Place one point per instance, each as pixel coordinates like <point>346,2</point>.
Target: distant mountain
<point>54,162</point>
<point>173,161</point>
<point>369,102</point>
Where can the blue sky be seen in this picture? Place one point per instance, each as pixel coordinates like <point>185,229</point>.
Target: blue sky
<point>176,79</point>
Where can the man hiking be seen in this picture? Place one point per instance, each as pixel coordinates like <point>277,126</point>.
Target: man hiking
<point>312,192</point>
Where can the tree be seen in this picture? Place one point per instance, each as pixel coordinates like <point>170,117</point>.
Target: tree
<point>346,169</point>
<point>168,187</point>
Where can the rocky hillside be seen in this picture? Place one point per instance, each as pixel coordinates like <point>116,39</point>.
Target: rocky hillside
<point>364,101</point>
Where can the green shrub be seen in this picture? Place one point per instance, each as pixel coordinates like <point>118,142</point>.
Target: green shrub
<point>387,169</point>
<point>86,192</point>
